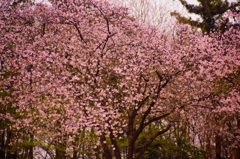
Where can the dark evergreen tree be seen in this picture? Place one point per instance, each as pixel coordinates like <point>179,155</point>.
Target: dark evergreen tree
<point>211,13</point>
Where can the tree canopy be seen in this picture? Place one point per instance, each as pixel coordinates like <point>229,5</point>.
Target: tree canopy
<point>83,79</point>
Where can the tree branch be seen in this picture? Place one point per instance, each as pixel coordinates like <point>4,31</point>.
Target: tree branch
<point>144,148</point>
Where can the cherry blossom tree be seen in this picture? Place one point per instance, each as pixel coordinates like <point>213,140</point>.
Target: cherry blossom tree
<point>217,119</point>
<point>85,78</point>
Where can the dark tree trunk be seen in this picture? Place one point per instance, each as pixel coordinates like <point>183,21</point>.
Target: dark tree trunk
<point>7,146</point>
<point>218,146</point>
<point>2,145</point>
<point>237,152</point>
<point>60,151</point>
<point>75,156</point>
<point>106,152</point>
<point>31,147</point>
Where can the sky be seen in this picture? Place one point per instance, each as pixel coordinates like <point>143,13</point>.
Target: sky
<point>160,9</point>
<point>192,1</point>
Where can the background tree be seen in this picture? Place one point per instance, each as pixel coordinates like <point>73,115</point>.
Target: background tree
<point>212,13</point>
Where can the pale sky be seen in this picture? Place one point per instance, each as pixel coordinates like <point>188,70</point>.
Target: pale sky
<point>164,8</point>
<point>192,1</point>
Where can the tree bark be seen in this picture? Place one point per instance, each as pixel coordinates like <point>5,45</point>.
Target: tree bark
<point>60,151</point>
<point>218,147</point>
<point>31,147</point>
<point>106,152</point>
<point>2,145</point>
<point>7,146</point>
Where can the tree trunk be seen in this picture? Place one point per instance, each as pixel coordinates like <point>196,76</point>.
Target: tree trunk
<point>130,149</point>
<point>2,145</point>
<point>106,152</point>
<point>60,151</point>
<point>31,147</point>
<point>7,146</point>
<point>218,147</point>
<point>237,151</point>
<point>75,156</point>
